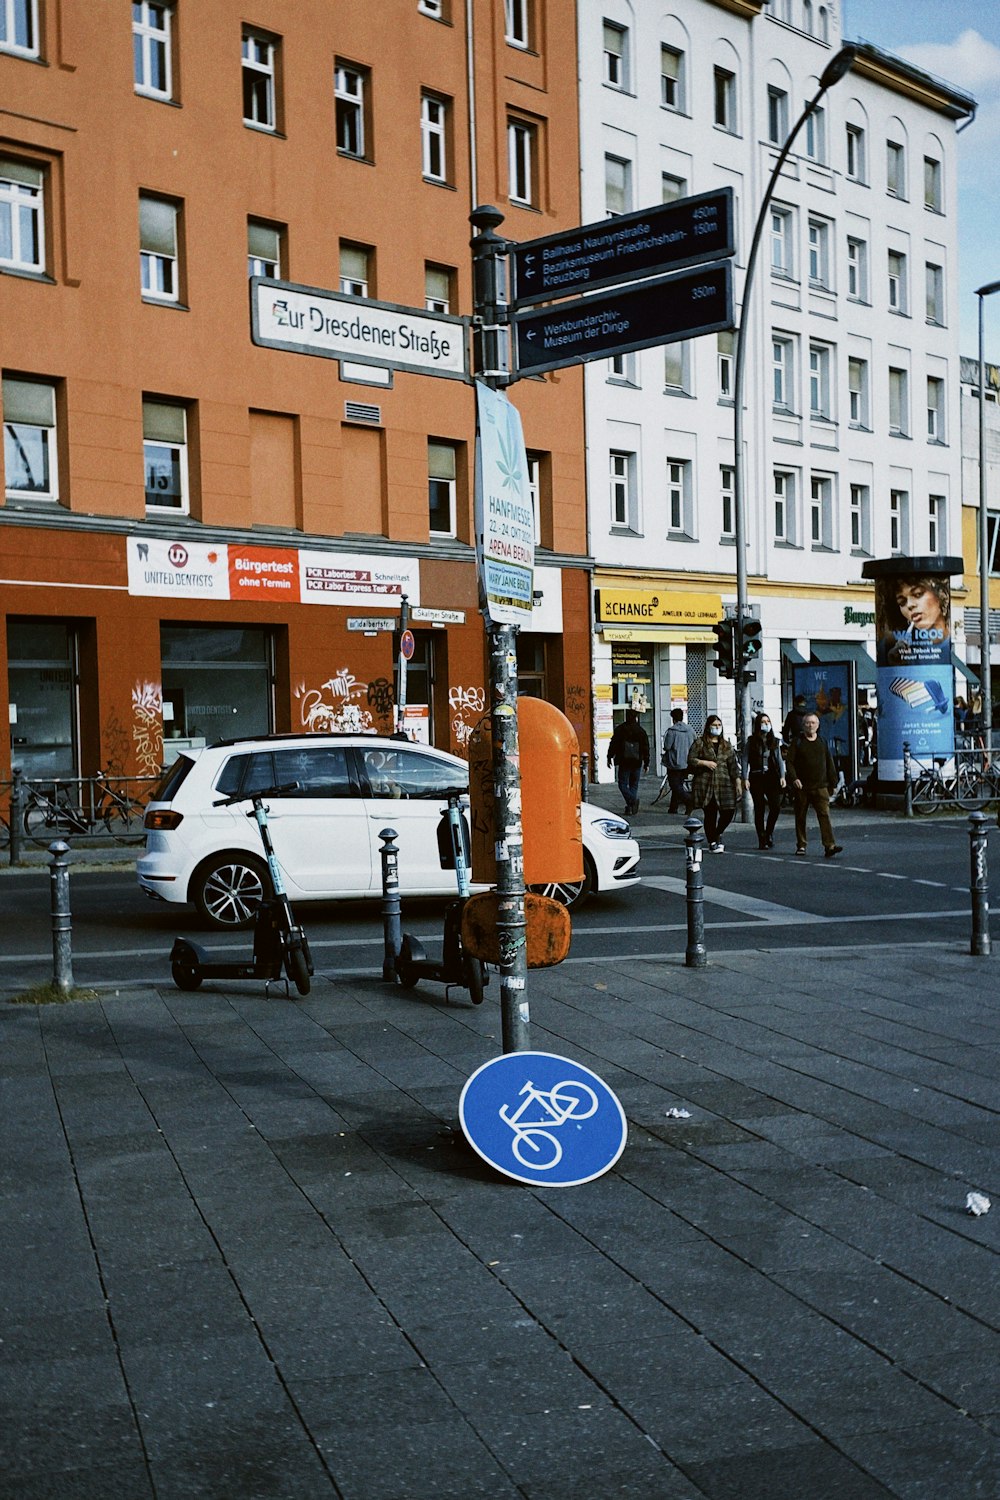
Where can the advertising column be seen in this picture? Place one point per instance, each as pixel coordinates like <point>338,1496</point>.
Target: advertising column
<point>913,656</point>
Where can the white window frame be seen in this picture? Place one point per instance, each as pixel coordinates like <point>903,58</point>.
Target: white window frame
<point>679,497</point>
<point>259,61</point>
<point>895,169</point>
<point>522,145</point>
<point>679,354</point>
<point>782,227</point>
<point>937,515</point>
<point>725,344</point>
<point>150,41</point>
<point>616,70</point>
<point>154,445</point>
<point>820,392</point>
<point>899,521</point>
<point>934,293</point>
<point>783,372</point>
<point>936,409</point>
<point>159,255</point>
<point>820,512</point>
<point>861,519</point>
<point>727,500</point>
<point>783,500</point>
<point>617,190</point>
<point>724,112</point>
<point>263,249</point>
<point>351,282</point>
<point>857,154</point>
<point>815,136</point>
<point>933,185</point>
<point>896,271</point>
<point>859,393</point>
<point>899,401</point>
<point>517,23</point>
<point>349,109</point>
<point>533,484</point>
<point>432,8</point>
<point>674,182</point>
<point>442,456</point>
<point>819,253</point>
<point>434,137</point>
<point>857,269</point>
<point>437,279</point>
<point>23,15</point>
<point>777,115</point>
<point>22,215</point>
<point>30,437</point>
<point>622,488</point>
<point>673,91</point>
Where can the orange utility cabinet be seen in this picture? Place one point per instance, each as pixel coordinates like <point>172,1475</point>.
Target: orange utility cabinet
<point>550,797</point>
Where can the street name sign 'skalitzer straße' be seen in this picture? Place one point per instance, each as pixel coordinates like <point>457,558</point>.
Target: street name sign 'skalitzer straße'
<point>653,312</point>
<point>688,232</point>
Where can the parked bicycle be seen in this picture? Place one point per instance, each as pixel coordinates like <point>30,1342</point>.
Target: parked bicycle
<point>56,816</point>
<point>964,786</point>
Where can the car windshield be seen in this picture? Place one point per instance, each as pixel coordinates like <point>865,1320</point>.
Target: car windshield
<point>407,772</point>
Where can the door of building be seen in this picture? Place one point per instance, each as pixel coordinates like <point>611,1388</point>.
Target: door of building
<point>632,685</point>
<point>43,681</point>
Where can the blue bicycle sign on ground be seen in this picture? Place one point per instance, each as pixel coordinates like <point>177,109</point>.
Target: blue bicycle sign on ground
<point>542,1119</point>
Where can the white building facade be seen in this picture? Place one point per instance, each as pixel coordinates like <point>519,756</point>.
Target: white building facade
<point>852,416</point>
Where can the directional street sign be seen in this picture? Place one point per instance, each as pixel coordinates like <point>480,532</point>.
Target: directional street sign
<point>670,235</point>
<point>654,312</point>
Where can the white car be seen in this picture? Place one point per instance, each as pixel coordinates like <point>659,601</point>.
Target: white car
<point>326,832</point>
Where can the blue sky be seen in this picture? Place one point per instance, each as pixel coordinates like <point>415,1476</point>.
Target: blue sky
<point>958,40</point>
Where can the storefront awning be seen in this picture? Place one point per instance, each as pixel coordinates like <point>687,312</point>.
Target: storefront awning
<point>846,651</point>
<point>660,637</point>
<point>793,654</point>
<point>964,667</point>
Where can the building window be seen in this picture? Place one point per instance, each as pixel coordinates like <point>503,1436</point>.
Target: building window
<point>522,151</point>
<point>934,281</point>
<point>164,446</point>
<point>857,385</point>
<point>617,186</point>
<point>777,115</point>
<point>678,496</point>
<point>783,373</point>
<point>899,521</point>
<point>432,8</point>
<point>935,409</point>
<point>819,382</point>
<point>437,288</point>
<point>933,195</point>
<point>349,108</point>
<point>672,188</point>
<point>433,142</point>
<point>726,347</point>
<point>725,98</point>
<point>622,476</point>
<point>936,529</point>
<point>676,367</point>
<point>856,163</point>
<point>158,254</point>
<point>615,56</point>
<point>727,482</point>
<point>19,27</point>
<point>517,22</point>
<point>22,216</point>
<point>441,470</point>
<point>537,465</point>
<point>820,511</point>
<point>816,135</point>
<point>355,269</point>
<point>259,81</point>
<point>151,37</point>
<point>621,369</point>
<point>819,253</point>
<point>784,506</point>
<point>29,439</point>
<point>263,249</point>
<point>898,300</point>
<point>895,169</point>
<point>861,518</point>
<point>782,239</point>
<point>672,79</point>
<point>992,543</point>
<point>899,403</point>
<point>807,17</point>
<point>857,270</point>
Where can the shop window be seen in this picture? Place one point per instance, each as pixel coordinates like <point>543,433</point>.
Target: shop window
<point>165,455</point>
<point>29,439</point>
<point>532,680</point>
<point>42,678</point>
<point>218,682</point>
<point>152,29</point>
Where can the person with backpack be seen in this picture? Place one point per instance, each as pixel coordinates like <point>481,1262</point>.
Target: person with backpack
<point>629,751</point>
<point>677,744</point>
<point>792,727</point>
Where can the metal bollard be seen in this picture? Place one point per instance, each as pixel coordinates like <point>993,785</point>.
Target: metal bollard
<point>392,926</point>
<point>16,814</point>
<point>62,939</point>
<point>979,885</point>
<point>584,776</point>
<point>907,781</point>
<point>695,956</point>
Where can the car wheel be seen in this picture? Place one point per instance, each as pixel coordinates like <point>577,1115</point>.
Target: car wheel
<point>571,893</point>
<point>229,889</point>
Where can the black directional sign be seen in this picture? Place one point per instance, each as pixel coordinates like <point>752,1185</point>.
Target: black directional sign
<point>654,312</point>
<point>688,232</point>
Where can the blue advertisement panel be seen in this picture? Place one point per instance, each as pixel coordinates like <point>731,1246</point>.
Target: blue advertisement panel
<point>913,654</point>
<point>829,693</point>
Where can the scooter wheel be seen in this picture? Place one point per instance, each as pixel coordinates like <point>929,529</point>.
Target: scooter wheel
<point>407,971</point>
<point>474,979</point>
<point>185,977</point>
<point>298,970</point>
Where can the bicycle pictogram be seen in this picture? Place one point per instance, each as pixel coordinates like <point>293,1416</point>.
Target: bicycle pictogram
<point>535,1143</point>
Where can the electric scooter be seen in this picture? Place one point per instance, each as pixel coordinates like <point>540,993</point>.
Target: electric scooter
<point>455,967</point>
<point>278,941</point>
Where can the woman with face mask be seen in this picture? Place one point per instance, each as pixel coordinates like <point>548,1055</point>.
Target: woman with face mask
<point>716,786</point>
<point>766,775</point>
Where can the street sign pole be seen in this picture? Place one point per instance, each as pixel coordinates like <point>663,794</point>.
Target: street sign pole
<point>491,367</point>
<point>404,623</point>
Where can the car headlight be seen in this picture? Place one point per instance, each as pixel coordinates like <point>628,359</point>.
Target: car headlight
<point>613,828</point>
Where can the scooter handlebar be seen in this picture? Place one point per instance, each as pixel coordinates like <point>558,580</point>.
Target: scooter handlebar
<point>269,791</point>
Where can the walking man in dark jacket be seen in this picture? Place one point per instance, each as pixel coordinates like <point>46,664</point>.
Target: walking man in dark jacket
<point>629,751</point>
<point>810,769</point>
<point>677,743</point>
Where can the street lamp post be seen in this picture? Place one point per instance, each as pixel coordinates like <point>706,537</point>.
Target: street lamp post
<point>832,73</point>
<point>985,653</point>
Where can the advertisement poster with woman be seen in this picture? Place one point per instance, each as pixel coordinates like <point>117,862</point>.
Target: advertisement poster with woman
<point>913,654</point>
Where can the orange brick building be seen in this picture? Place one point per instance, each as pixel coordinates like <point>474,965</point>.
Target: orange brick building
<point>169,485</point>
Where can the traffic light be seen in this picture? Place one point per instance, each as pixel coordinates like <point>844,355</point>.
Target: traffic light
<point>725,663</point>
<point>752,643</point>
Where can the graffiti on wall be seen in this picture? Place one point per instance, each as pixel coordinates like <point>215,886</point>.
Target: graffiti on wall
<point>381,700</point>
<point>466,705</point>
<point>147,727</point>
<point>334,706</point>
<point>115,745</point>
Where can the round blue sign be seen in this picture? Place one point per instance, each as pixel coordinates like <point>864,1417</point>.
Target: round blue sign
<point>542,1119</point>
